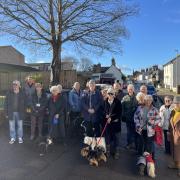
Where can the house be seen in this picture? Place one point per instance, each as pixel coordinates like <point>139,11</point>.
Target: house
<point>152,74</point>
<point>172,74</point>
<point>107,75</point>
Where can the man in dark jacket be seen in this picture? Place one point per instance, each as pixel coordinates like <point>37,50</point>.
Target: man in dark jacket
<point>118,91</point>
<point>39,105</point>
<point>91,101</point>
<point>129,105</point>
<point>14,110</point>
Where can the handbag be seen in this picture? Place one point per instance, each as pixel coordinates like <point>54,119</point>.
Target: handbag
<point>158,135</point>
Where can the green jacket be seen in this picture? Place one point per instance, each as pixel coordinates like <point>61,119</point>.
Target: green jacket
<point>129,106</point>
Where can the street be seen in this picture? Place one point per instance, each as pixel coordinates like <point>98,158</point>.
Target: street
<point>22,161</point>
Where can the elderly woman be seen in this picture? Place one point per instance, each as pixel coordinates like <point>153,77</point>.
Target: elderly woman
<point>113,110</point>
<point>165,112</point>
<point>39,104</point>
<point>145,118</point>
<point>129,105</point>
<point>174,134</point>
<point>56,114</point>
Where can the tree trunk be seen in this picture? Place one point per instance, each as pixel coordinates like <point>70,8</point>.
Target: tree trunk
<point>56,66</point>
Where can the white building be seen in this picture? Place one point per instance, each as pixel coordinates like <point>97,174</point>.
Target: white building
<point>172,74</point>
<point>107,74</point>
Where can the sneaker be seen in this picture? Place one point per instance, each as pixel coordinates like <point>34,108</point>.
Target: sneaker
<point>12,141</point>
<point>172,166</point>
<point>20,140</point>
<point>32,138</point>
<point>116,155</point>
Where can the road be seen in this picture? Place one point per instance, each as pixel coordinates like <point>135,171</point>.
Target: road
<point>22,162</point>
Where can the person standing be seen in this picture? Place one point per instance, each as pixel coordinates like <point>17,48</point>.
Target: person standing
<point>165,112</point>
<point>91,102</point>
<point>113,112</point>
<point>75,104</point>
<point>129,105</point>
<point>146,118</point>
<point>118,91</point>
<point>14,110</point>
<point>39,105</point>
<point>56,107</point>
<point>29,90</point>
<point>174,135</point>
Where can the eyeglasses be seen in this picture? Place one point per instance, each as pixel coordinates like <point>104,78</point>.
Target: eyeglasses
<point>15,85</point>
<point>110,94</point>
<point>168,100</point>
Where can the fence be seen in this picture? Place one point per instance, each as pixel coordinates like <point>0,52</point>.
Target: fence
<point>67,78</point>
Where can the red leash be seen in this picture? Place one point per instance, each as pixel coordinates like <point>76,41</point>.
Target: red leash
<point>102,132</point>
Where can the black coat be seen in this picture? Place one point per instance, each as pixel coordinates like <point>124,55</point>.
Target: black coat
<point>8,105</point>
<point>39,105</point>
<point>115,111</point>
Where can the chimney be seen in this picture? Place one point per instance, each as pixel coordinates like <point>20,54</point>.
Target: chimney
<point>113,62</point>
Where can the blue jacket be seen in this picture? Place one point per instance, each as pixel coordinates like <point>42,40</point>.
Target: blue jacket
<point>75,100</point>
<point>91,100</point>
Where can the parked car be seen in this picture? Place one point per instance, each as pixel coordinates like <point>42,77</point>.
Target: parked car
<point>103,86</point>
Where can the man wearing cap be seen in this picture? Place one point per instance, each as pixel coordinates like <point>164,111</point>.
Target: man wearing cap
<point>174,135</point>
<point>91,101</point>
<point>14,110</point>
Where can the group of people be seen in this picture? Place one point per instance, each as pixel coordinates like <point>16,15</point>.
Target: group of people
<point>98,109</point>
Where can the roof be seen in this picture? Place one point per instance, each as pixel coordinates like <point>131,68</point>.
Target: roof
<point>104,69</point>
<point>11,67</point>
<point>172,60</point>
<point>12,48</point>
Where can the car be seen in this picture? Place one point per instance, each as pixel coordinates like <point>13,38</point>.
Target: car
<point>151,90</point>
<point>103,86</point>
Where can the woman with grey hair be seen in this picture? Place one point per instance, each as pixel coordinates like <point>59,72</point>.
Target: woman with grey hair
<point>56,114</point>
<point>146,118</point>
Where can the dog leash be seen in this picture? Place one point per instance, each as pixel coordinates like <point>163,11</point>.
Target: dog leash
<point>102,133</point>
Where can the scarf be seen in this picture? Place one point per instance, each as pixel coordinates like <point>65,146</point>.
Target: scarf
<point>55,98</point>
<point>176,115</point>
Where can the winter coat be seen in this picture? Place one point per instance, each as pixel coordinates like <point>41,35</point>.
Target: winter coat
<point>165,113</point>
<point>120,94</point>
<point>174,130</point>
<point>114,110</point>
<point>75,100</point>
<point>8,105</point>
<point>39,105</point>
<point>129,105</point>
<point>153,119</point>
<point>29,92</point>
<point>91,100</point>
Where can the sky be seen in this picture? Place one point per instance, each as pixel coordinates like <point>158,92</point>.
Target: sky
<point>154,38</point>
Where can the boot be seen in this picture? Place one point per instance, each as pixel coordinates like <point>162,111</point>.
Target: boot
<point>116,155</point>
<point>108,150</point>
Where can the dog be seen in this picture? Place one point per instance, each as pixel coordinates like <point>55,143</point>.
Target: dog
<point>150,165</point>
<point>44,146</point>
<point>141,163</point>
<point>93,152</point>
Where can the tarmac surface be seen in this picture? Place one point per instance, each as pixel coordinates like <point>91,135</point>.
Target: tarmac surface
<point>23,162</point>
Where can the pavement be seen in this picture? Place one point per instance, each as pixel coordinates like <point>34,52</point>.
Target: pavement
<point>22,162</point>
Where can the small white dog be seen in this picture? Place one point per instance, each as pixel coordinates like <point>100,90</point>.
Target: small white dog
<point>92,141</point>
<point>150,165</point>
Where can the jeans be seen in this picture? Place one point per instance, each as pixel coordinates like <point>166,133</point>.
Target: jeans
<point>12,126</point>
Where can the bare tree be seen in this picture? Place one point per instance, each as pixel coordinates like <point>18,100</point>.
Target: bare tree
<point>89,24</point>
<point>85,64</point>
